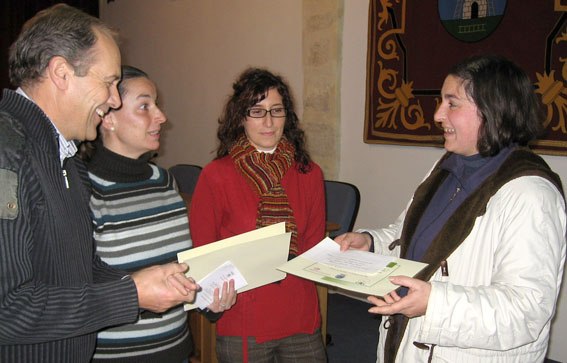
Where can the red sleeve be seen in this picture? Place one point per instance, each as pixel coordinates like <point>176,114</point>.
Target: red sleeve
<point>204,216</point>
<point>315,228</point>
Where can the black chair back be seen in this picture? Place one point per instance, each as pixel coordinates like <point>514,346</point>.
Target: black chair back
<point>342,202</point>
<point>186,176</point>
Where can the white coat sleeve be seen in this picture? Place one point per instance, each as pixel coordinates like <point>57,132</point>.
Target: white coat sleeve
<point>383,237</point>
<point>522,235</point>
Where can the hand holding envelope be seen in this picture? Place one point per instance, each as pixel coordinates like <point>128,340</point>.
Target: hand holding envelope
<point>224,297</point>
<point>255,254</point>
<point>214,287</point>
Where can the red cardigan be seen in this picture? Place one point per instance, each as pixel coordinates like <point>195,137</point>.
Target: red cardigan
<point>225,205</point>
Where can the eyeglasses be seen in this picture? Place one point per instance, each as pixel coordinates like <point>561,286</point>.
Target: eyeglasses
<point>260,112</point>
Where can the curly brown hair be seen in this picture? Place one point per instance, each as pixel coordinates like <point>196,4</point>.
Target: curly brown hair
<point>250,88</point>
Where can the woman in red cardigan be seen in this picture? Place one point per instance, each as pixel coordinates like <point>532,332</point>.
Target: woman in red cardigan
<point>263,175</point>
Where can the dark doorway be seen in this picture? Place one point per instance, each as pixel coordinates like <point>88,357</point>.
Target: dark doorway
<point>474,11</point>
<point>14,13</point>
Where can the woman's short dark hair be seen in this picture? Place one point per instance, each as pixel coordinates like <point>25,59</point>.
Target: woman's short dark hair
<point>60,30</point>
<point>129,72</point>
<point>250,88</point>
<point>506,102</point>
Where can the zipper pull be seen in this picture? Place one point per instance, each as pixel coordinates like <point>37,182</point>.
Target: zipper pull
<point>454,195</point>
<point>444,268</point>
<point>66,180</point>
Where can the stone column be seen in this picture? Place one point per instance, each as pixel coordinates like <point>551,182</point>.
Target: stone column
<point>322,49</point>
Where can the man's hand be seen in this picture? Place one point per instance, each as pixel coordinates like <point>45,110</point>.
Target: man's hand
<point>162,287</point>
<point>412,305</point>
<point>354,241</point>
<point>228,298</point>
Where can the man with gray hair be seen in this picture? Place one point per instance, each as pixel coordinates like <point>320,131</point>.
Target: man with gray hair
<point>55,293</point>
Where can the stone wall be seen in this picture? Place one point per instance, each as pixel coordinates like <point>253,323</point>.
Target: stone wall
<point>322,49</point>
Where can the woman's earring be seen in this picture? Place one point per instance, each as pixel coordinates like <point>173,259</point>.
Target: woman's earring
<point>112,128</point>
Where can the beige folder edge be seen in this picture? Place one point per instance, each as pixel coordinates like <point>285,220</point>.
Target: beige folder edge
<point>256,254</point>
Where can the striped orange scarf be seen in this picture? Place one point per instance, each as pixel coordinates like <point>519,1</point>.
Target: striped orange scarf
<point>264,171</point>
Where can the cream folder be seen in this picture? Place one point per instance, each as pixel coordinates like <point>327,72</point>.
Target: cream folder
<point>256,254</point>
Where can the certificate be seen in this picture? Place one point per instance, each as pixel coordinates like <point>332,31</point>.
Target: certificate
<point>358,271</point>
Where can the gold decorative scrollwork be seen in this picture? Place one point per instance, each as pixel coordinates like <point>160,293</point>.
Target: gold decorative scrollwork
<point>399,103</point>
<point>553,93</point>
<point>561,38</point>
<point>387,48</point>
<point>383,15</point>
<point>399,97</point>
<point>558,6</point>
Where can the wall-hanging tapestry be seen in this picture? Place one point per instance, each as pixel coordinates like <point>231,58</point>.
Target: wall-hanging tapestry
<point>413,44</point>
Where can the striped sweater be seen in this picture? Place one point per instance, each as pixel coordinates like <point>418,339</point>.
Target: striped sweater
<point>140,220</point>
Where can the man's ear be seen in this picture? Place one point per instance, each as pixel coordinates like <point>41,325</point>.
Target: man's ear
<point>60,72</point>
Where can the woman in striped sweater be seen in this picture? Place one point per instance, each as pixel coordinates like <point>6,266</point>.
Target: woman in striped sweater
<point>140,220</point>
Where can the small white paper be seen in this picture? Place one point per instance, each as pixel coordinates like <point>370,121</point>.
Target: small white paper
<point>225,272</point>
<point>328,252</point>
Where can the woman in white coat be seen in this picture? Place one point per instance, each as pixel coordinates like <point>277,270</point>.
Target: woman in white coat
<point>489,220</point>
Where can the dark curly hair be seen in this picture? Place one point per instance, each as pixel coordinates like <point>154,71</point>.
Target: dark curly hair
<point>506,101</point>
<point>250,88</point>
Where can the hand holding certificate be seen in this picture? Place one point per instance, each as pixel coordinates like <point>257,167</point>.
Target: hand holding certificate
<point>353,270</point>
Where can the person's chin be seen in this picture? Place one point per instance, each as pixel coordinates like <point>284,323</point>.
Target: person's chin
<point>272,142</point>
<point>268,146</point>
<point>153,147</point>
<point>91,131</point>
<point>91,135</point>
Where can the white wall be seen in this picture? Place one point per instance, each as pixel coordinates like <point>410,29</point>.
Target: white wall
<point>194,50</point>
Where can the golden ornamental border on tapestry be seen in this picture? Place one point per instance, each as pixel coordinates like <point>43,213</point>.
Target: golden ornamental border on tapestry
<point>412,44</point>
